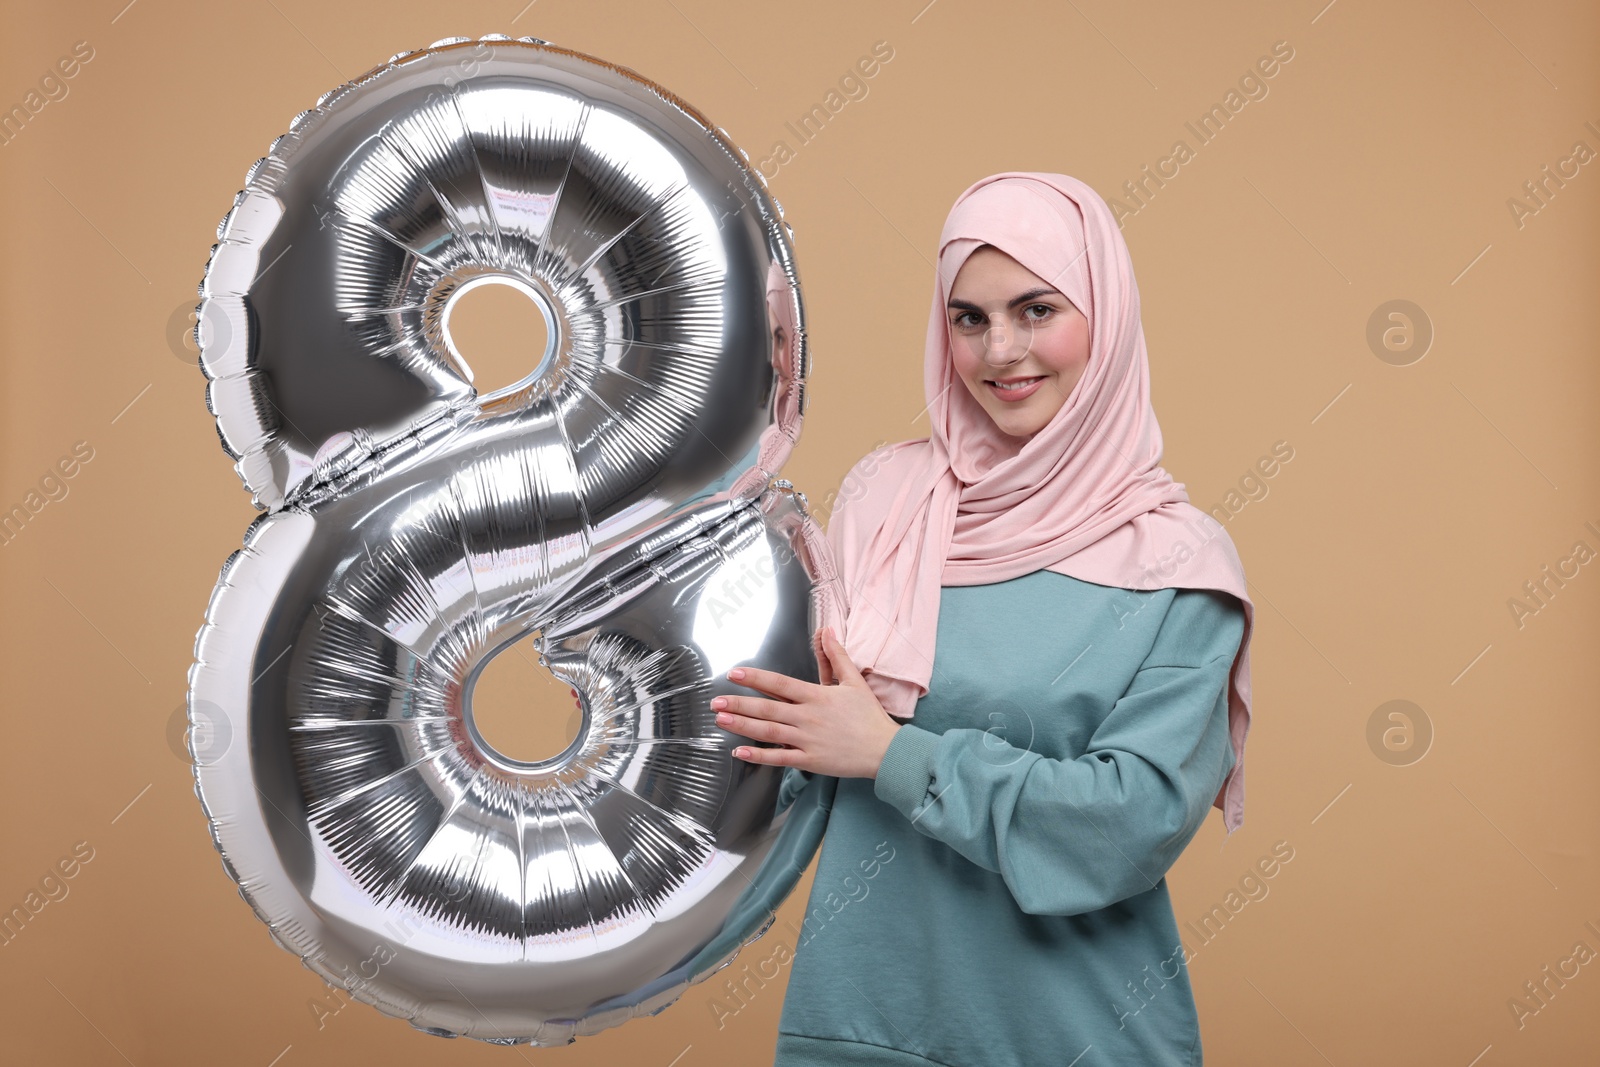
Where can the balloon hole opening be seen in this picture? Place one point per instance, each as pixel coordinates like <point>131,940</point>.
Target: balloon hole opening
<point>520,715</point>
<point>501,333</point>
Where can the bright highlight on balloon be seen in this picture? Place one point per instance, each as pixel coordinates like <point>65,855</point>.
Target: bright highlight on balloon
<point>738,609</point>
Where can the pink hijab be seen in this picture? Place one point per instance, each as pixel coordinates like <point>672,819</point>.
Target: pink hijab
<point>1085,496</point>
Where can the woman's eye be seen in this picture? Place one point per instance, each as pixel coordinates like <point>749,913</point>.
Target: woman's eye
<point>968,320</point>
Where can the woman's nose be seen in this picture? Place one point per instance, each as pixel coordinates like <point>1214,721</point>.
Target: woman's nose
<point>998,343</point>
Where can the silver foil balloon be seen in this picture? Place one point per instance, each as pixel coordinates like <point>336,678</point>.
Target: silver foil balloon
<point>615,511</point>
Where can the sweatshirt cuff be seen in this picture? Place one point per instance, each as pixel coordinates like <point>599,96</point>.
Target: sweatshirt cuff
<point>907,769</point>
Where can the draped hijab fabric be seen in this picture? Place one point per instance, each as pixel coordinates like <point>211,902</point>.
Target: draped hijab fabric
<point>1085,496</point>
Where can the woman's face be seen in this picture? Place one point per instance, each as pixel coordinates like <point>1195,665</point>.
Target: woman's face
<point>1008,326</point>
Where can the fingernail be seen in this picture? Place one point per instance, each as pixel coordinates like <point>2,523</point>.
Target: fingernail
<point>736,673</point>
<point>741,752</point>
<point>717,703</point>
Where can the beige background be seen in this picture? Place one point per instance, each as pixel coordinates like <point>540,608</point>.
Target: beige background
<point>1422,895</point>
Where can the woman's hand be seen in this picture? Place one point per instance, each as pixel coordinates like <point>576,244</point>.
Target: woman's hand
<point>840,730</point>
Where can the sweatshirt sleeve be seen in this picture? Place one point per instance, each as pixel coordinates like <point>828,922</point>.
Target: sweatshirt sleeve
<point>1076,835</point>
<point>794,782</point>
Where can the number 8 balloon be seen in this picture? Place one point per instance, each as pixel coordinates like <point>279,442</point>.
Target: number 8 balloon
<point>616,510</point>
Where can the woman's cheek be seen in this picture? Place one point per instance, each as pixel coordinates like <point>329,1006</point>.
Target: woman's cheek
<point>1060,349</point>
<point>960,359</point>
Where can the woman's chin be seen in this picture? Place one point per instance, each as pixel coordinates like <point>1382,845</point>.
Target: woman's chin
<point>1024,424</point>
<point>1012,426</point>
<point>1020,420</point>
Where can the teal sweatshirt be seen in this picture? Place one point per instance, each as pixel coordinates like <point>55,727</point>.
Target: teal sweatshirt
<point>997,896</point>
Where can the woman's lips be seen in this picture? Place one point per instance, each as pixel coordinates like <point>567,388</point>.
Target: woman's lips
<point>1014,395</point>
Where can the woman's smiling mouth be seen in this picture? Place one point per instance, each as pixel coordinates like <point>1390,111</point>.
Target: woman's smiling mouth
<point>1013,389</point>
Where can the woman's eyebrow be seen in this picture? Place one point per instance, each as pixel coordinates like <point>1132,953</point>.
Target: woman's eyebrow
<point>1031,294</point>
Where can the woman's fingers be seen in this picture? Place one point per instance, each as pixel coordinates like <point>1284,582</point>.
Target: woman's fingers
<point>756,707</point>
<point>782,685</point>
<point>758,729</point>
<point>776,757</point>
<point>757,717</point>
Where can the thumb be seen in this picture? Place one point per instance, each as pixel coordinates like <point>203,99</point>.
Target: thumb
<point>843,666</point>
<point>819,646</point>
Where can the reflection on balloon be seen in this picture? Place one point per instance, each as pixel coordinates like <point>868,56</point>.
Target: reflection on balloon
<point>614,513</point>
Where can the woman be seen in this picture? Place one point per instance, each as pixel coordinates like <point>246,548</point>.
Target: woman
<point>1043,689</point>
